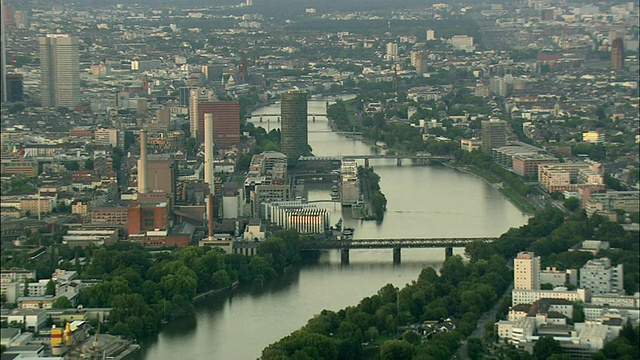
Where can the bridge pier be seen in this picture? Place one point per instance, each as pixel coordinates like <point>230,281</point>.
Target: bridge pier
<point>396,256</point>
<point>344,256</point>
<point>399,162</point>
<point>448,252</point>
<point>366,163</point>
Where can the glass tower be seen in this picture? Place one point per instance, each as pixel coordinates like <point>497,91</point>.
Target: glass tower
<point>294,134</point>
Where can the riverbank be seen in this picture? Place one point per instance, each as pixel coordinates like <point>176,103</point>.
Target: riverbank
<point>234,285</point>
<point>516,199</point>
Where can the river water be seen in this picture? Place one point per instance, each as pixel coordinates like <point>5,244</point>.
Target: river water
<point>423,201</point>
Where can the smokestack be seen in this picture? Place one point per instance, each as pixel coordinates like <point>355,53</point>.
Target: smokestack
<point>142,164</point>
<point>210,215</point>
<point>208,150</point>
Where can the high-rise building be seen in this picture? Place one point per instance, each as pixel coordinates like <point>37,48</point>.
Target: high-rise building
<point>494,135</point>
<point>526,271</point>
<point>226,121</point>
<point>197,95</point>
<point>59,70</point>
<point>243,72</point>
<point>417,59</point>
<point>617,54</point>
<point>392,52</point>
<point>293,129</point>
<point>600,277</point>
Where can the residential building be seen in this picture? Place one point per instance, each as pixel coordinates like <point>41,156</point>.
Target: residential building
<point>527,296</point>
<point>526,271</point>
<point>59,71</point>
<point>567,176</point>
<point>293,128</point>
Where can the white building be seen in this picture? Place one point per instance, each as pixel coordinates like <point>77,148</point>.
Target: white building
<point>462,42</point>
<point>600,277</point>
<point>392,52</point>
<point>526,271</point>
<point>527,296</point>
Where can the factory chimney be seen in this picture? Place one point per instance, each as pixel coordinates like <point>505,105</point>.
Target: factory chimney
<point>142,164</point>
<point>208,150</point>
<point>208,168</point>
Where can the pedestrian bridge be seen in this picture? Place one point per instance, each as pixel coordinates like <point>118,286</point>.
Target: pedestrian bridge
<point>396,244</point>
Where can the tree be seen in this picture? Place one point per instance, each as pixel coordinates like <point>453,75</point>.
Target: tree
<point>51,288</point>
<point>88,164</point>
<point>475,348</point>
<point>572,203</point>
<point>61,303</point>
<point>545,347</point>
<point>396,350</point>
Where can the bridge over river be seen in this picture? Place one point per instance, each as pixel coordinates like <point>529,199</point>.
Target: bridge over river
<point>396,244</point>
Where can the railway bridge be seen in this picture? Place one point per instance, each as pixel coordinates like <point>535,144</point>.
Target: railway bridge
<point>395,244</point>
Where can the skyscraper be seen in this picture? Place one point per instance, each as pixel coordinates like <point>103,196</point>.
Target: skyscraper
<point>226,122</point>
<point>494,135</point>
<point>294,134</point>
<point>526,271</point>
<point>617,54</point>
<point>59,70</point>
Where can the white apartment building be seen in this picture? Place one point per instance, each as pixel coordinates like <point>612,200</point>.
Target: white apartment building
<point>600,277</point>
<point>526,271</point>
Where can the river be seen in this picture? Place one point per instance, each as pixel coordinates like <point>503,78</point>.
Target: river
<point>423,201</point>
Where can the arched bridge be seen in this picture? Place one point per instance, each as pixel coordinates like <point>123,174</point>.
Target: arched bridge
<point>395,244</point>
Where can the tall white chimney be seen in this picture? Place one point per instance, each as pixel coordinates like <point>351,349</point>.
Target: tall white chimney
<point>208,169</point>
<point>208,150</point>
<point>143,188</point>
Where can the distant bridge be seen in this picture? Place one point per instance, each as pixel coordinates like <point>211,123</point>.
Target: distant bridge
<point>397,157</point>
<point>335,132</point>
<point>396,244</point>
<point>275,115</point>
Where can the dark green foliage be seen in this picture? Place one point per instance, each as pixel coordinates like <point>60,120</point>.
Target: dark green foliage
<point>396,350</point>
<point>545,347</point>
<point>475,348</point>
<point>143,289</point>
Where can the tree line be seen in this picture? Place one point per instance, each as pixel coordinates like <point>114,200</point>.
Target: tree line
<point>145,288</point>
<point>461,290</point>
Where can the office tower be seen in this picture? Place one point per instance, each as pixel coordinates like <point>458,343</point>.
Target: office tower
<point>59,70</point>
<point>293,129</point>
<point>494,135</point>
<point>14,90</point>
<point>196,96</point>
<point>617,54</point>
<point>526,271</point>
<point>226,122</point>
<point>183,94</point>
<point>143,188</point>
